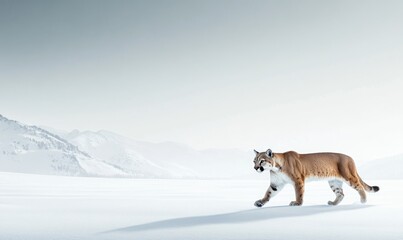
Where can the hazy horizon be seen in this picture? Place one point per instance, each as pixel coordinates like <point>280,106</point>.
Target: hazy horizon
<point>290,75</point>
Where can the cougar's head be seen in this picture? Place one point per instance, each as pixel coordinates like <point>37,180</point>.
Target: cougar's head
<point>264,160</point>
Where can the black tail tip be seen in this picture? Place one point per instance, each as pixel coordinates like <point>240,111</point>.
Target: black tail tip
<point>375,188</point>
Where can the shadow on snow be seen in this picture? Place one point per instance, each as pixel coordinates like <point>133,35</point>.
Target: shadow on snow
<point>239,217</point>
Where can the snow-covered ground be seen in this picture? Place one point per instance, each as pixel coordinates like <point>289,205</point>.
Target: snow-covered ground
<point>58,207</point>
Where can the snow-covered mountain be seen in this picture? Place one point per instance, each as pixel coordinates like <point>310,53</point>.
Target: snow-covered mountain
<point>32,149</point>
<point>167,159</point>
<point>126,154</point>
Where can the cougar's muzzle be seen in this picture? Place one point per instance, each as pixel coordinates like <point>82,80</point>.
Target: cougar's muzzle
<point>259,168</point>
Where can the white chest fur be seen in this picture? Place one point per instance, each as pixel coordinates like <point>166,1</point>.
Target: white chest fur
<point>279,178</point>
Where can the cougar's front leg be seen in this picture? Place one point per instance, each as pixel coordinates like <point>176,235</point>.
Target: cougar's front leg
<point>299,192</point>
<point>271,192</point>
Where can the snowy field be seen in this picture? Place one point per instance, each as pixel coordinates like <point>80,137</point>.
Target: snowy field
<point>55,207</point>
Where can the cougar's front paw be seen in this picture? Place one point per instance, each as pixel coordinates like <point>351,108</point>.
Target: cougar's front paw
<point>295,203</point>
<point>331,203</point>
<point>259,203</point>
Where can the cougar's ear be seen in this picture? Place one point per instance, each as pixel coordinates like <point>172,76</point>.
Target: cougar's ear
<point>256,151</point>
<point>269,153</point>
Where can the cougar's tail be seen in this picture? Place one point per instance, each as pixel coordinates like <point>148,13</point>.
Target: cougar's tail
<point>367,187</point>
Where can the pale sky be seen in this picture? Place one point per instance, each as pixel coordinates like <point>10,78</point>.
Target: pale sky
<point>302,75</point>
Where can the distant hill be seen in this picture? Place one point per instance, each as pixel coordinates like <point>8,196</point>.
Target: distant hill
<point>384,168</point>
<point>167,159</point>
<point>32,149</point>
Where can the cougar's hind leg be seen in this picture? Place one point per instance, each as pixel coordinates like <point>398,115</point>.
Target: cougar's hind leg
<point>351,177</point>
<point>336,186</point>
<point>360,189</point>
<point>361,192</point>
<point>363,195</point>
<point>355,183</point>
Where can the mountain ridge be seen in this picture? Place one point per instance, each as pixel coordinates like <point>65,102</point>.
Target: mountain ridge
<point>32,149</point>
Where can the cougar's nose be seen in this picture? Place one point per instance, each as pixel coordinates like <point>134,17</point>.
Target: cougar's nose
<point>256,168</point>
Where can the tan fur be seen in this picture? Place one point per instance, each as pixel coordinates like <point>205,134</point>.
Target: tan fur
<point>294,168</point>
